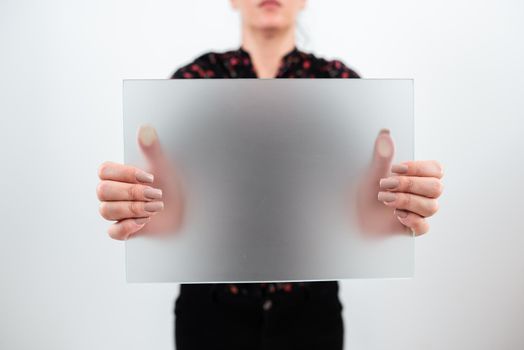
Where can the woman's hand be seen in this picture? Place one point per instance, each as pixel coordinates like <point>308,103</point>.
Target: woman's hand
<point>139,201</point>
<point>413,191</point>
<point>407,192</point>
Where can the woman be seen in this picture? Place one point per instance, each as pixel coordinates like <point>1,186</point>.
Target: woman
<point>273,315</point>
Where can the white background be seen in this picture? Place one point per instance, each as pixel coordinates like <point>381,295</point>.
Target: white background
<point>61,67</point>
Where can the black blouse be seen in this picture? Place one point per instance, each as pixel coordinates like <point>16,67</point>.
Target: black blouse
<point>237,64</point>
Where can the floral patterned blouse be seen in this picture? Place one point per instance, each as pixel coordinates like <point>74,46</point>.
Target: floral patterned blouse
<point>237,64</point>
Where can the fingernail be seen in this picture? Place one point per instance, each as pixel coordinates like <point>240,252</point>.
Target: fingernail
<point>141,221</point>
<point>142,176</point>
<point>399,168</point>
<point>401,213</point>
<point>384,131</point>
<point>153,193</point>
<point>384,147</point>
<point>147,135</point>
<point>153,206</point>
<point>386,196</point>
<point>389,183</point>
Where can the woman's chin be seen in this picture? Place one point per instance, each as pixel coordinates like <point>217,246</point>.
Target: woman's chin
<point>272,26</point>
<point>273,23</point>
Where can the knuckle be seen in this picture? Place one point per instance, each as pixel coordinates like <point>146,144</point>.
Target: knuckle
<point>116,232</point>
<point>424,227</point>
<point>113,234</point>
<point>405,200</point>
<point>102,169</point>
<point>410,183</point>
<point>439,167</point>
<point>135,208</point>
<point>134,192</point>
<point>126,228</point>
<point>103,210</point>
<point>438,188</point>
<point>421,228</point>
<point>417,224</point>
<point>433,207</point>
<point>101,190</point>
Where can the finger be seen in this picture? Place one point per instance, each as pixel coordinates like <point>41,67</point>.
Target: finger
<point>129,209</point>
<point>417,204</point>
<point>120,191</point>
<point>383,153</point>
<point>123,229</point>
<point>415,222</point>
<point>425,186</point>
<point>429,168</point>
<point>151,148</point>
<point>125,173</point>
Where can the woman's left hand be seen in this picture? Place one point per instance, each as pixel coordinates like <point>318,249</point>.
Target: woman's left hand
<point>399,197</point>
<point>412,190</point>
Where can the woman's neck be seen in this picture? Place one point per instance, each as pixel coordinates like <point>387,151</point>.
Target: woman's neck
<point>267,48</point>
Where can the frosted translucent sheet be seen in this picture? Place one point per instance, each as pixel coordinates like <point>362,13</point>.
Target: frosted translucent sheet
<point>275,177</point>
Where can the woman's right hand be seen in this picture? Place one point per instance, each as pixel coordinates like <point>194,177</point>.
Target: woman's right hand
<point>141,202</point>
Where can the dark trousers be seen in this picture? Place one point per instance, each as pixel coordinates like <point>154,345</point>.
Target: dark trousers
<point>208,317</point>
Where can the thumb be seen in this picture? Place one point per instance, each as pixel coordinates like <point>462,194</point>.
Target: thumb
<point>150,146</point>
<point>383,154</point>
